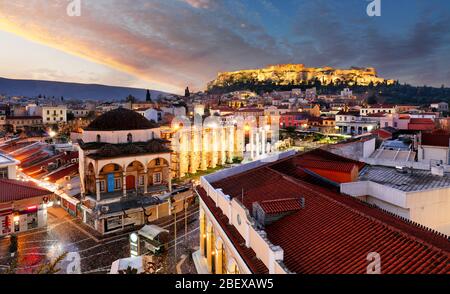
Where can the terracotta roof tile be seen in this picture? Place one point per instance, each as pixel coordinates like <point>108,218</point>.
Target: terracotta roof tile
<point>13,190</point>
<point>334,233</point>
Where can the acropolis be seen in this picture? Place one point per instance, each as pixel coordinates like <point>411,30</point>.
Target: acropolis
<point>285,74</point>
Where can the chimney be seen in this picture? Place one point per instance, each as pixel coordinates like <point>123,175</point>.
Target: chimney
<point>437,169</point>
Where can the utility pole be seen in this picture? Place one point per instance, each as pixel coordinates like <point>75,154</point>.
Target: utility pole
<point>175,225</point>
<point>185,221</point>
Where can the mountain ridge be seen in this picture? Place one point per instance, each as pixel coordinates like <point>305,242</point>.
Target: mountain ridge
<point>71,90</point>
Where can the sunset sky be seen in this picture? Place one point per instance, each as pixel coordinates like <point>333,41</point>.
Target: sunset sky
<point>169,44</point>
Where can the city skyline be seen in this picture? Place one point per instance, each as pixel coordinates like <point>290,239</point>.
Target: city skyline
<point>168,45</point>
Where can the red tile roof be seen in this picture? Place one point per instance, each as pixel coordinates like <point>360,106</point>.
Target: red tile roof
<point>280,205</point>
<point>13,190</point>
<point>439,139</point>
<point>66,171</point>
<point>383,134</point>
<point>38,166</point>
<point>334,233</point>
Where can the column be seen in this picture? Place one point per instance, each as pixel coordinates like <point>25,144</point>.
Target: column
<point>170,182</point>
<point>210,247</point>
<point>124,184</point>
<point>263,141</point>
<point>230,144</point>
<point>252,144</point>
<point>204,155</point>
<point>219,260</point>
<point>97,189</point>
<point>145,181</point>
<point>202,232</point>
<point>258,144</point>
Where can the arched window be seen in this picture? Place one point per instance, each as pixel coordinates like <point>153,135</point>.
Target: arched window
<point>130,138</point>
<point>99,138</point>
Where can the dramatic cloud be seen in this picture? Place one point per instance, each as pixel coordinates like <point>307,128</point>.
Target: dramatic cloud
<point>174,43</point>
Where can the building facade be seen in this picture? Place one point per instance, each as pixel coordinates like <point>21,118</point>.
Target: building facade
<point>121,157</point>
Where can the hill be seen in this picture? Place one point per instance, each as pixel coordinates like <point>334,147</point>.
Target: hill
<point>32,88</point>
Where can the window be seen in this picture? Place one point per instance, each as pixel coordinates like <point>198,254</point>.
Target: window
<point>141,180</point>
<point>102,186</point>
<point>99,138</point>
<point>117,184</point>
<point>130,138</point>
<point>48,112</point>
<point>157,178</point>
<point>3,173</point>
<point>157,161</point>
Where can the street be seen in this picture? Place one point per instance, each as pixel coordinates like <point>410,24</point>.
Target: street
<point>65,233</point>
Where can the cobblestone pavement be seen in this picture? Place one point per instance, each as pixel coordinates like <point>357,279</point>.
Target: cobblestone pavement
<point>65,233</point>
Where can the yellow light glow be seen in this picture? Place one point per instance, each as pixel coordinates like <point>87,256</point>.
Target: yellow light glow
<point>16,218</point>
<point>247,128</point>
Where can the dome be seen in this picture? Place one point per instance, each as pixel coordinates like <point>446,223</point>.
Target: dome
<point>120,119</point>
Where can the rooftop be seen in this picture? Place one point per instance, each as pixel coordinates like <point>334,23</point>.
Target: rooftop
<point>120,119</point>
<point>6,160</point>
<point>106,150</point>
<point>412,181</point>
<point>332,233</point>
<point>13,190</point>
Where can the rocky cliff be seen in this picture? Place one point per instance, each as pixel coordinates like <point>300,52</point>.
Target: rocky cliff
<point>286,74</point>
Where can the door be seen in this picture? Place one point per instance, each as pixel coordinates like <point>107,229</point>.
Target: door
<point>110,182</point>
<point>131,182</point>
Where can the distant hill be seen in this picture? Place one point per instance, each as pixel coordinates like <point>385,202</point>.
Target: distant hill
<point>32,88</point>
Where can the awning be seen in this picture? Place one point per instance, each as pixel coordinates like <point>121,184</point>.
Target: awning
<point>151,231</point>
<point>6,212</point>
<point>69,199</point>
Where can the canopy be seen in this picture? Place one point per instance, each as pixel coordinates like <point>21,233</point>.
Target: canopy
<point>151,231</point>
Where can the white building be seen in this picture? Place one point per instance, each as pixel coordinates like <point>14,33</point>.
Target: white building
<point>352,123</point>
<point>50,114</point>
<point>121,160</point>
<point>421,196</point>
<point>8,167</point>
<point>434,147</point>
<point>441,106</point>
<point>371,109</point>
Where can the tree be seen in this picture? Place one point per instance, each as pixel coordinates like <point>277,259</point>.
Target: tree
<point>187,93</point>
<point>372,99</point>
<point>70,116</point>
<point>62,98</point>
<point>130,98</point>
<point>148,97</point>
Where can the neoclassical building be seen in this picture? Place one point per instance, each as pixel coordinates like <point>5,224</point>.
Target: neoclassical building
<point>217,142</point>
<point>123,163</point>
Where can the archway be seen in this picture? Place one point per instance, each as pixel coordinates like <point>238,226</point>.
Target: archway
<point>110,173</point>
